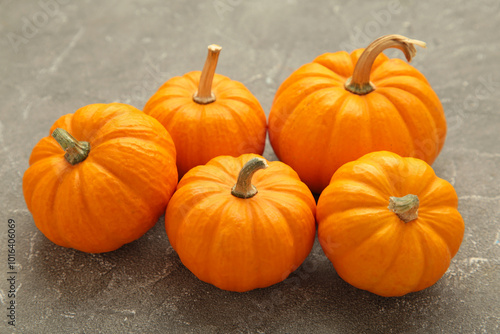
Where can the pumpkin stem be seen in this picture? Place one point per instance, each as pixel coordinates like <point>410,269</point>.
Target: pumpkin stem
<point>204,94</point>
<point>243,187</point>
<point>405,207</point>
<point>76,151</point>
<point>360,83</point>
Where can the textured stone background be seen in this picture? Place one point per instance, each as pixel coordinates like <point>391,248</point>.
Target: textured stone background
<point>58,56</point>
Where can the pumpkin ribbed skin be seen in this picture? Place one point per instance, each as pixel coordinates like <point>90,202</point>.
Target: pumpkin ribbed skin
<point>402,115</point>
<point>241,244</point>
<point>369,245</point>
<point>116,194</point>
<point>233,124</point>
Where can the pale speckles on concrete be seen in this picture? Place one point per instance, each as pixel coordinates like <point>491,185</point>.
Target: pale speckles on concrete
<point>64,53</point>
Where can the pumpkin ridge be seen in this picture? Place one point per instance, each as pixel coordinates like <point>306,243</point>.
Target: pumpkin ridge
<point>435,185</point>
<point>284,117</point>
<point>266,195</point>
<point>394,254</point>
<point>235,115</point>
<point>337,77</point>
<point>180,85</point>
<point>288,115</point>
<point>292,188</point>
<point>376,187</point>
<point>404,70</point>
<point>393,80</point>
<point>176,121</point>
<point>53,190</point>
<point>105,170</point>
<point>420,255</point>
<point>225,85</point>
<point>433,111</point>
<point>243,99</point>
<point>424,242</point>
<point>313,76</point>
<point>164,117</point>
<point>403,122</point>
<point>279,116</point>
<point>386,186</point>
<point>192,77</point>
<point>63,122</point>
<point>279,207</point>
<point>103,230</point>
<point>47,147</point>
<point>373,201</point>
<point>242,124</point>
<point>386,176</point>
<point>222,79</point>
<point>316,89</point>
<point>155,106</point>
<point>79,182</point>
<point>290,129</point>
<point>98,115</point>
<point>269,222</point>
<point>208,182</point>
<point>219,210</point>
<point>91,119</point>
<point>127,139</point>
<point>339,62</point>
<point>425,248</point>
<point>443,230</point>
<point>134,125</point>
<point>59,225</point>
<point>331,217</point>
<point>230,170</point>
<point>257,223</point>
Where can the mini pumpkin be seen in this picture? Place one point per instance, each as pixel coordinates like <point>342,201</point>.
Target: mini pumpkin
<point>240,231</point>
<point>342,106</point>
<point>107,185</point>
<point>208,115</point>
<point>388,224</point>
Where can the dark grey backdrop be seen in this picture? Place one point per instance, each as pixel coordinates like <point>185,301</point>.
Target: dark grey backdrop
<point>56,56</point>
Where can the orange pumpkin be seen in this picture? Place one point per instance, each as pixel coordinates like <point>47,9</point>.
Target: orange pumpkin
<point>388,224</point>
<point>111,185</point>
<point>240,231</point>
<point>342,106</point>
<point>208,115</point>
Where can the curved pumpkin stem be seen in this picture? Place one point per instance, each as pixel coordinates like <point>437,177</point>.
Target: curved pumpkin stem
<point>243,187</point>
<point>76,151</point>
<point>405,207</point>
<point>360,83</point>
<point>204,94</point>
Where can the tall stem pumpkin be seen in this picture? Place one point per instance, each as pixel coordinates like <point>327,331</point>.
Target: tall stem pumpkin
<point>208,115</point>
<point>342,106</point>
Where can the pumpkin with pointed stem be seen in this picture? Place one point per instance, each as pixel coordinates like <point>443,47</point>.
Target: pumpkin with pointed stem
<point>388,224</point>
<point>102,179</point>
<point>347,105</point>
<point>208,115</point>
<point>240,231</point>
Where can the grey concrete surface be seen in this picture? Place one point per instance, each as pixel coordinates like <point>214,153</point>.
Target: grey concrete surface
<point>56,56</point>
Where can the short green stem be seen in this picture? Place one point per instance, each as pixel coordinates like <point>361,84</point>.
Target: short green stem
<point>405,207</point>
<point>244,187</point>
<point>359,89</point>
<point>76,151</point>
